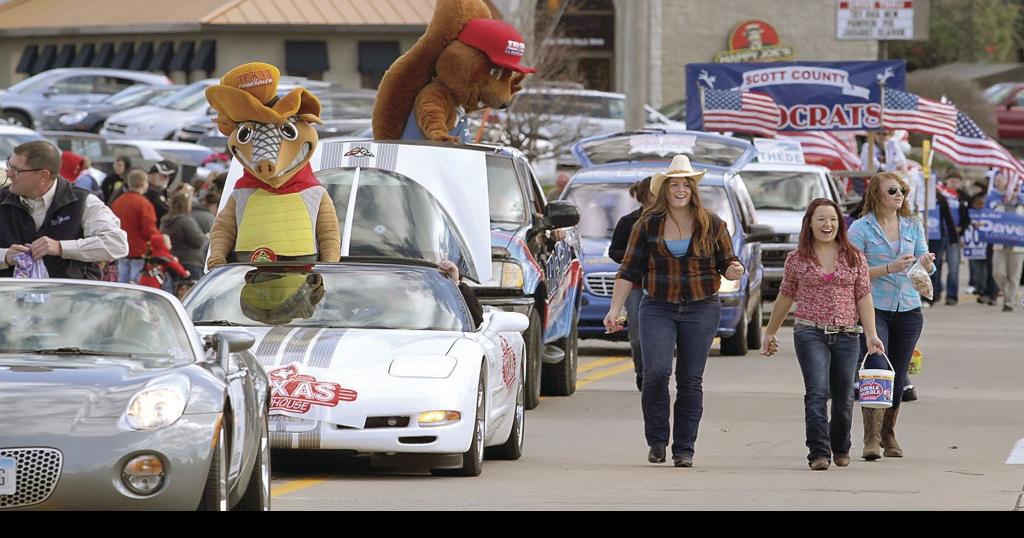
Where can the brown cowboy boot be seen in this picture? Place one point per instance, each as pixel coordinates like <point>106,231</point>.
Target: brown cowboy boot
<point>892,448</point>
<point>872,434</point>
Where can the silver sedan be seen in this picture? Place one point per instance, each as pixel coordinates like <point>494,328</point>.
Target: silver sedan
<point>110,399</point>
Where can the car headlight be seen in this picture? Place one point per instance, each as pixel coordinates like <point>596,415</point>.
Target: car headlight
<point>433,419</point>
<point>505,275</point>
<point>73,118</point>
<point>729,286</point>
<point>159,405</point>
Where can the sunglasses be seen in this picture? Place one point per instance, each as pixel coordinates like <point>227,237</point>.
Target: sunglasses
<point>893,191</point>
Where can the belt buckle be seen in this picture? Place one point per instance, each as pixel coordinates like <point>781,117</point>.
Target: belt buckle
<point>832,330</point>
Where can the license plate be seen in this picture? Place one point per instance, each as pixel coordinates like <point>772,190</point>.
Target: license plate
<point>8,477</point>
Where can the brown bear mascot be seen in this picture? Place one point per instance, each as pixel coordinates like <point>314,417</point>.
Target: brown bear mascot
<point>466,61</point>
<point>278,210</point>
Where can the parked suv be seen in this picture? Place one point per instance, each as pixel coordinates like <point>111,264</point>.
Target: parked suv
<point>612,163</point>
<point>24,102</point>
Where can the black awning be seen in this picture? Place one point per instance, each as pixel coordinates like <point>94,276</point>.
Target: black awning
<point>84,56</point>
<point>143,56</point>
<point>377,56</point>
<point>28,59</point>
<point>45,60</point>
<point>162,58</point>
<point>124,55</point>
<point>206,58</point>
<point>306,57</point>
<point>65,56</point>
<point>103,56</point>
<point>183,57</point>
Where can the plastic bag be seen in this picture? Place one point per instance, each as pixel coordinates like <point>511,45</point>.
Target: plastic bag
<point>26,267</point>
<point>921,280</point>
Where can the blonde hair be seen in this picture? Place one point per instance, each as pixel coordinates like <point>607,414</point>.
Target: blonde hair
<point>873,197</point>
<point>702,240</point>
<point>137,179</point>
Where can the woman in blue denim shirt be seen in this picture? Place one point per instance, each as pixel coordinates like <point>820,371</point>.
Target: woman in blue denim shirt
<point>893,240</point>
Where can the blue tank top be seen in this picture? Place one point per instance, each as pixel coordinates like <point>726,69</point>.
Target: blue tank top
<point>678,248</point>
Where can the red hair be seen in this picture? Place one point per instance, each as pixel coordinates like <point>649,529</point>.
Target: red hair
<point>806,247</point>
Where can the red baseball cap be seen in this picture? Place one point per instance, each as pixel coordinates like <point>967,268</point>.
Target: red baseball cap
<point>502,43</point>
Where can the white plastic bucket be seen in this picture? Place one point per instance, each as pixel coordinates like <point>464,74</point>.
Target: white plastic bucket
<point>875,387</point>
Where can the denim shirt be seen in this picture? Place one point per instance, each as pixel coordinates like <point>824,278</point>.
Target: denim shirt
<point>893,292</point>
<point>412,129</point>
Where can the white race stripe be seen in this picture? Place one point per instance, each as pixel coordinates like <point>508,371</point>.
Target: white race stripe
<point>346,236</point>
<point>1017,455</point>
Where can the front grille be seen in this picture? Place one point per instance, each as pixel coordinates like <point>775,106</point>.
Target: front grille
<point>118,128</point>
<point>601,284</point>
<point>774,258</point>
<point>37,470</point>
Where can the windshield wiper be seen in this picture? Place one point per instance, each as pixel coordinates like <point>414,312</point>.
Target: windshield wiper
<point>217,323</point>
<point>80,352</point>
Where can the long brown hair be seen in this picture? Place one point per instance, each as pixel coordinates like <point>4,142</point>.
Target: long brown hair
<point>641,190</point>
<point>873,197</point>
<point>702,240</point>
<point>806,247</point>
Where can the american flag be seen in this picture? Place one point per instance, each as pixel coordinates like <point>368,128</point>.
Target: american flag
<point>970,146</point>
<point>825,148</point>
<point>902,110</point>
<point>741,112</point>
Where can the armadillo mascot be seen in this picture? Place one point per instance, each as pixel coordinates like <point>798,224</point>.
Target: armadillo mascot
<point>278,211</point>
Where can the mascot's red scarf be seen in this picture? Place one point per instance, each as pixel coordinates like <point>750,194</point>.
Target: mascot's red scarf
<point>302,180</point>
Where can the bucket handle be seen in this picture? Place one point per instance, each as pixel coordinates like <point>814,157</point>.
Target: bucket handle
<point>864,362</point>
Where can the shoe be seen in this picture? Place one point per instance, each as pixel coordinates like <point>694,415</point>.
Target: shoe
<point>951,301</point>
<point>872,433</point>
<point>971,290</point>
<point>982,299</point>
<point>841,460</point>
<point>657,454</point>
<point>1007,308</point>
<point>991,301</point>
<point>909,394</point>
<point>820,464</point>
<point>892,448</point>
<point>926,305</point>
<point>682,461</point>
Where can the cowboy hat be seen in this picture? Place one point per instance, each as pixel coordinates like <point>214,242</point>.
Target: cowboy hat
<point>249,93</point>
<point>680,167</point>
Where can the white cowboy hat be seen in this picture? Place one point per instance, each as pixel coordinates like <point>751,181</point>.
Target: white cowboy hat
<point>680,167</point>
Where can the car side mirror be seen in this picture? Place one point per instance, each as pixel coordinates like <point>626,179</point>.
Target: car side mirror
<point>227,342</point>
<point>508,322</point>
<point>561,214</point>
<point>760,233</point>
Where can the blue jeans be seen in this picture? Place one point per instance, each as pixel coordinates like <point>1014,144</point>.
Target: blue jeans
<point>689,329</point>
<point>633,317</point>
<point>829,366</point>
<point>948,253</point>
<point>899,333</point>
<point>129,270</point>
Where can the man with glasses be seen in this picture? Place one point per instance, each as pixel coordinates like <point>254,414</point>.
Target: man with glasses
<point>42,214</point>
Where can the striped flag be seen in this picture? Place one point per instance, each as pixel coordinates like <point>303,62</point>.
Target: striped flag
<point>826,149</point>
<point>741,112</point>
<point>902,110</point>
<point>970,146</point>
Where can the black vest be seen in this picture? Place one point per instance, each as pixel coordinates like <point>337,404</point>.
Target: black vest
<point>63,222</point>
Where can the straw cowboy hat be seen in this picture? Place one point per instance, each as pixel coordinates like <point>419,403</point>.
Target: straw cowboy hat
<point>680,167</point>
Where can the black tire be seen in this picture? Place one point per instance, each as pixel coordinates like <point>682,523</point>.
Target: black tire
<point>15,117</point>
<point>560,379</point>
<point>473,460</point>
<point>512,450</point>
<point>215,494</point>
<point>534,337</point>
<point>755,326</point>
<point>736,345</point>
<point>257,494</point>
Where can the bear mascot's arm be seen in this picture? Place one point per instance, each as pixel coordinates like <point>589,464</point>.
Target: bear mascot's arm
<point>435,113</point>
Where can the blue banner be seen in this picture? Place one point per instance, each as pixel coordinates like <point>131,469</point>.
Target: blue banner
<point>998,227</point>
<point>814,96</point>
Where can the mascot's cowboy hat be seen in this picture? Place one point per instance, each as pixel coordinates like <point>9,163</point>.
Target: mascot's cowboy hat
<point>249,93</point>
<point>680,167</point>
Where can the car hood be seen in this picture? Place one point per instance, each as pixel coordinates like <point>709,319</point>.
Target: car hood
<point>57,395</point>
<point>151,113</point>
<point>784,222</point>
<point>503,234</point>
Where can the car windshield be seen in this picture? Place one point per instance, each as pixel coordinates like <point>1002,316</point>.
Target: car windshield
<point>395,217</point>
<point>567,104</point>
<point>10,141</point>
<point>185,99</point>
<point>506,198</point>
<point>34,83</point>
<point>783,190</point>
<point>661,147</point>
<point>998,93</point>
<point>136,96</point>
<point>346,108</point>
<point>346,296</point>
<point>102,319</point>
<point>601,206</point>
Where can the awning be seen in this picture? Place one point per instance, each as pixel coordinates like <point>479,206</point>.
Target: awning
<point>28,59</point>
<point>65,56</point>
<point>123,58</point>
<point>306,57</point>
<point>377,56</point>
<point>103,56</point>
<point>162,58</point>
<point>143,56</point>
<point>183,57</point>
<point>84,56</point>
<point>45,60</point>
<point>206,58</point>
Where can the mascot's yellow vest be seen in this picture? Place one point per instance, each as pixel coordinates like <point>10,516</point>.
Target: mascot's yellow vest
<point>283,223</point>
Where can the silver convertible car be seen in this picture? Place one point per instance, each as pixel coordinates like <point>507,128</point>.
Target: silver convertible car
<point>110,399</point>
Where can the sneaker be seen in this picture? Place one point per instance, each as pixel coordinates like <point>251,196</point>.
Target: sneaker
<point>657,454</point>
<point>819,464</point>
<point>951,301</point>
<point>971,290</point>
<point>682,461</point>
<point>909,394</point>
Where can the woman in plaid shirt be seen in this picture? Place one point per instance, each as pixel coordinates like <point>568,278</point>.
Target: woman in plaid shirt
<point>678,252</point>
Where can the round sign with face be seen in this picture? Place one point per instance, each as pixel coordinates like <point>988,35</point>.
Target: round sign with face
<point>753,35</point>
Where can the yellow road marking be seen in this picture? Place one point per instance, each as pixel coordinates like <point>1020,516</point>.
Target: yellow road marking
<point>604,374</point>
<point>600,363</point>
<point>297,485</point>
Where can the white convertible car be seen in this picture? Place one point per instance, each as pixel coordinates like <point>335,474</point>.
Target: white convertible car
<point>377,357</point>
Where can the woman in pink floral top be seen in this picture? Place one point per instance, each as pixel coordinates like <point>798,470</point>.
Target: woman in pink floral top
<point>829,281</point>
